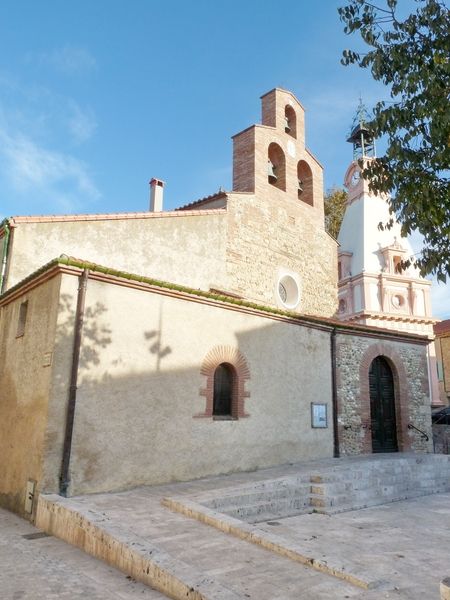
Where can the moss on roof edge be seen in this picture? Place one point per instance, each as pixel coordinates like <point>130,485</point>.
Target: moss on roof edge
<point>300,318</point>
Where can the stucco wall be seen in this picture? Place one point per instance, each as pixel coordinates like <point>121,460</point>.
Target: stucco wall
<point>139,396</point>
<point>184,249</point>
<point>267,238</point>
<point>412,403</point>
<point>60,378</point>
<point>25,375</point>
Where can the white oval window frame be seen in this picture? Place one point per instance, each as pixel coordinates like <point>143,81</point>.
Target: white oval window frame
<point>398,301</point>
<point>290,284</point>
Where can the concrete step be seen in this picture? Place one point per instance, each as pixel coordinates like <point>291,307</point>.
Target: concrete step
<point>368,503</point>
<point>267,510</point>
<point>252,497</point>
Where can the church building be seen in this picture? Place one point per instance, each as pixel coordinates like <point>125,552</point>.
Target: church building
<point>142,348</point>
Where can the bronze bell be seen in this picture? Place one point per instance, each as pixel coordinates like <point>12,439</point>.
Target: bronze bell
<point>287,125</point>
<point>271,168</point>
<point>300,186</point>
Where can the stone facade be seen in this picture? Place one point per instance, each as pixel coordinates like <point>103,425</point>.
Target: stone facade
<point>409,367</point>
<point>267,240</point>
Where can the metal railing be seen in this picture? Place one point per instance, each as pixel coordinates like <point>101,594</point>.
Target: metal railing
<point>424,435</point>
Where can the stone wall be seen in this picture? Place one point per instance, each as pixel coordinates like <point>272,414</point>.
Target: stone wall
<point>408,362</point>
<point>266,239</point>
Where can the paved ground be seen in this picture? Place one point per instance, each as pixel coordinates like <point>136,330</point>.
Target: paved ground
<point>46,568</point>
<point>405,546</point>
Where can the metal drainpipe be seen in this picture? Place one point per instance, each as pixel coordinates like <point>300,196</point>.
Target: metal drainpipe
<point>64,480</point>
<point>334,394</point>
<point>5,254</point>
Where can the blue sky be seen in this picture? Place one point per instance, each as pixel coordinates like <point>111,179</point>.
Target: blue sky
<point>97,97</point>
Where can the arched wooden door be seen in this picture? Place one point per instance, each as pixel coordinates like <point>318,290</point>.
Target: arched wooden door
<point>382,406</point>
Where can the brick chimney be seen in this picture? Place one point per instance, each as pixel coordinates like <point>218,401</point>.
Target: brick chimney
<point>156,195</point>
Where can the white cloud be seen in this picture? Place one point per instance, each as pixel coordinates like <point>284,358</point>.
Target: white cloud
<point>28,166</point>
<point>69,60</point>
<point>82,124</point>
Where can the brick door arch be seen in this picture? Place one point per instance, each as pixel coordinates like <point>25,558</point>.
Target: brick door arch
<point>395,363</point>
<point>233,357</point>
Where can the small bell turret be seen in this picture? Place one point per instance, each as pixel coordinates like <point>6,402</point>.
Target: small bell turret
<point>361,137</point>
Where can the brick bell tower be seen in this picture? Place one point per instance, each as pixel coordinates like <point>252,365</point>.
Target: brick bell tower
<point>271,161</point>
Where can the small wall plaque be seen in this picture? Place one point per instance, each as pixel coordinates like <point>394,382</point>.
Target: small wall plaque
<point>319,418</point>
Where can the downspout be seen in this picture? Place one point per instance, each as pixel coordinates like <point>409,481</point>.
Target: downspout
<point>334,394</point>
<point>64,479</point>
<point>7,229</point>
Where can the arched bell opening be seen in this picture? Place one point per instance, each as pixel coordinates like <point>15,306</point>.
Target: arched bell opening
<point>276,167</point>
<point>305,183</point>
<point>290,121</point>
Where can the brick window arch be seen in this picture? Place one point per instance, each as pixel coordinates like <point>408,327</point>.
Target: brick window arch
<point>218,361</point>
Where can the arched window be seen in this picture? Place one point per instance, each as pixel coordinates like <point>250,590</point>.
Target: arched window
<point>223,390</point>
<point>305,183</point>
<point>227,373</point>
<point>276,167</point>
<point>290,121</point>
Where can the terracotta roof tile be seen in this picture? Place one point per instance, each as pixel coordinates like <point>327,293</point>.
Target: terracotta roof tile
<point>112,216</point>
<point>217,196</point>
<point>442,328</point>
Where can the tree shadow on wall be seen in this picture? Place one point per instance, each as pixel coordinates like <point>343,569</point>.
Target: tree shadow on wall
<point>95,336</point>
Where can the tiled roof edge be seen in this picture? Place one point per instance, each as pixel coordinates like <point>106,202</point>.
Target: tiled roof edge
<point>113,216</point>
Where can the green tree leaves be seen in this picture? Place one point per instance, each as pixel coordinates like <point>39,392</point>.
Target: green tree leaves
<point>412,58</point>
<point>335,202</point>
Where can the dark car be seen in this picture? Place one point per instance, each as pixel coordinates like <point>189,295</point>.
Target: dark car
<point>441,417</point>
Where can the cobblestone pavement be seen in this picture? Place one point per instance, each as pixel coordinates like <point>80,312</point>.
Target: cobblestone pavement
<point>45,568</point>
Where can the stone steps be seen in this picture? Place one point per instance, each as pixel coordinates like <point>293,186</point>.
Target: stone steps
<point>261,502</point>
<point>379,482</point>
<point>335,489</point>
<point>267,511</point>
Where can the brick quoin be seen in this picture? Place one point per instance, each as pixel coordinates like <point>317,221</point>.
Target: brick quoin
<point>235,359</point>
<point>400,390</point>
